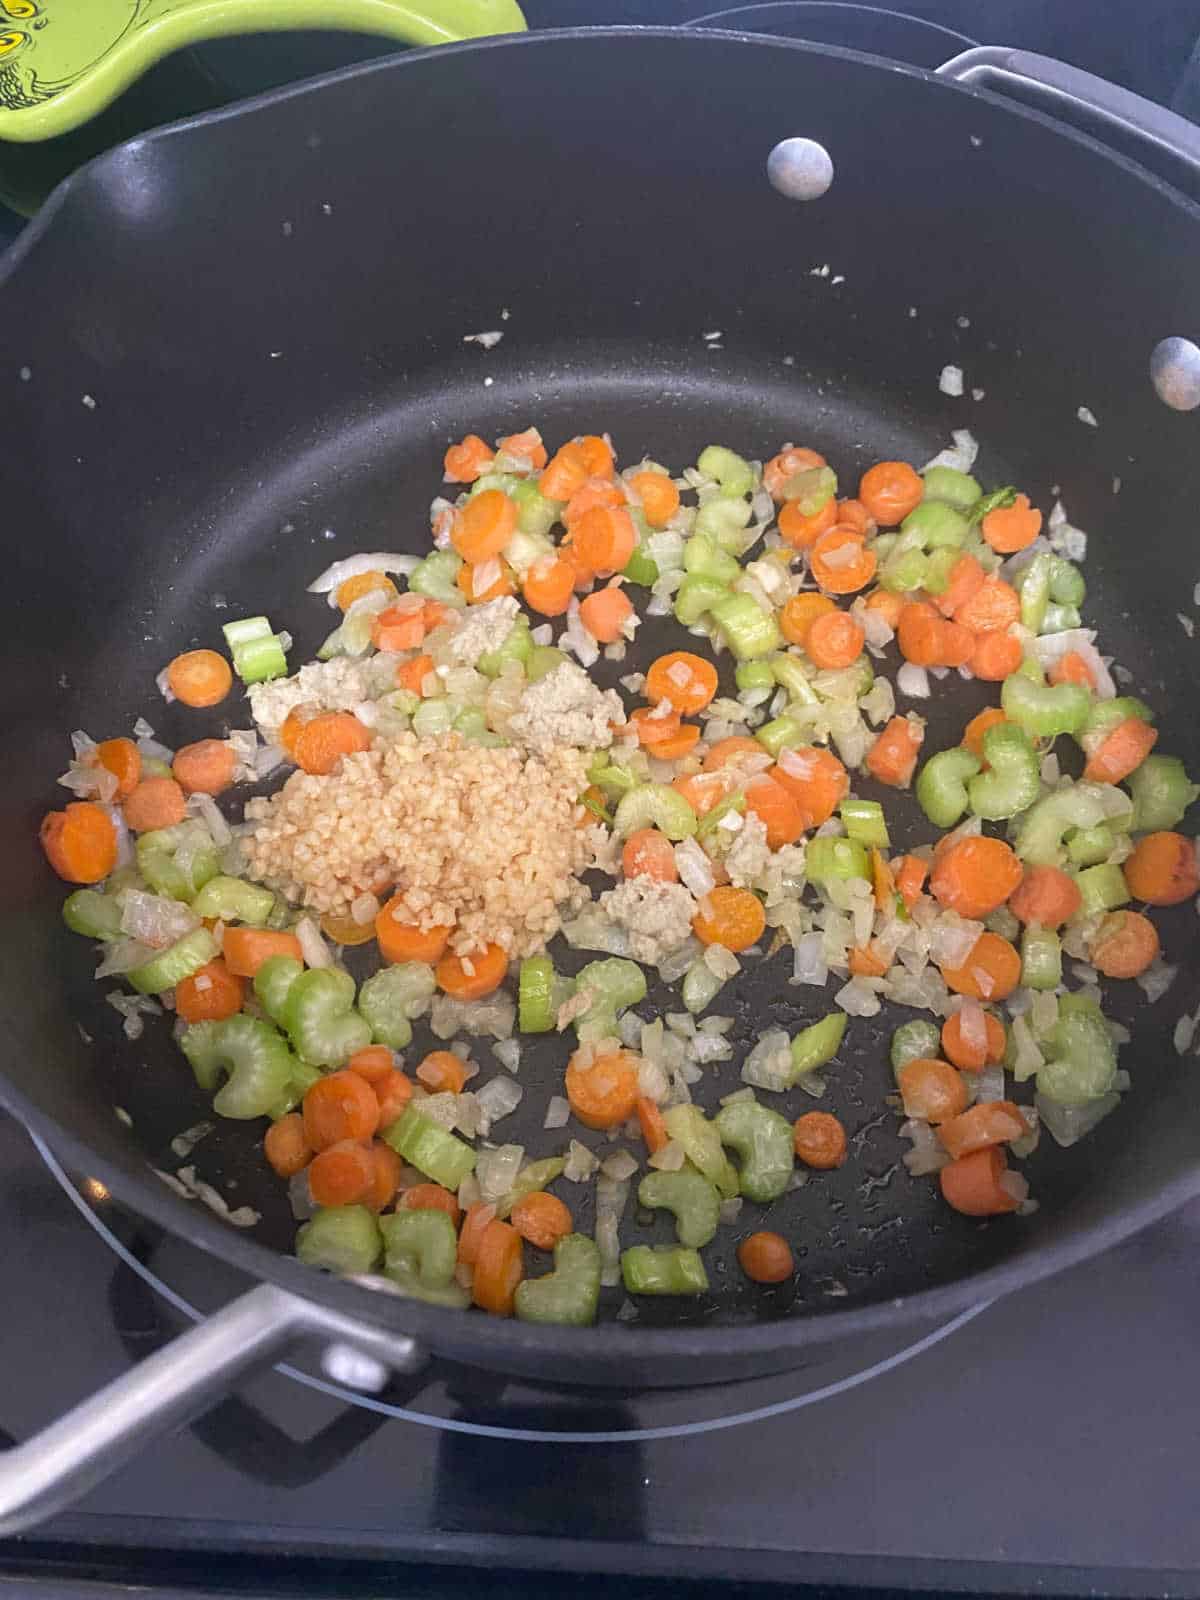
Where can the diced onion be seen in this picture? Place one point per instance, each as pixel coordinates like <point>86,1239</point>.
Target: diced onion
<point>497,1169</point>
<point>209,812</point>
<point>611,1197</point>
<point>312,947</point>
<point>695,869</point>
<point>355,566</point>
<point>913,681</point>
<point>558,1112</point>
<point>499,1098</point>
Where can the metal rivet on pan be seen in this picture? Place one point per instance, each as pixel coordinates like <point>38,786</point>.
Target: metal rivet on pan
<point>1175,373</point>
<point>800,169</point>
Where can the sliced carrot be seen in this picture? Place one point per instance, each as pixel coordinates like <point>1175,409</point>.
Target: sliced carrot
<point>892,759</point>
<point>549,585</point>
<point>853,514</point>
<point>841,562</point>
<point>326,738</point>
<point>703,790</point>
<point>649,854</point>
<point>1072,668</point>
<point>596,454</point>
<point>123,759</point>
<point>566,472</point>
<point>605,613</point>
<point>1162,869</point>
<point>339,1106</point>
<point>931,1090</point>
<point>393,1093</point>
<point>431,1197</point>
<point>1124,945</point>
<point>542,1219</point>
<point>345,931</point>
<point>995,604</point>
<point>604,539</point>
<point>210,995</point>
<point>654,1129</point>
<point>591,492</point>
<point>978,1128</point>
<point>995,654</point>
<point>730,917</point>
<point>499,1268</point>
<point>865,961</point>
<point>928,640</point>
<point>888,605</point>
<point>1011,528</point>
<point>972,1184</point>
<point>686,680</point>
<point>206,767</point>
<point>472,977</point>
<point>527,446</point>
<point>411,674</point>
<point>777,809</point>
<point>341,1174</point>
<point>1121,752</point>
<point>285,1146</point>
<point>401,941</point>
<point>991,971</point>
<point>80,842</point>
<point>659,497</point>
<point>199,678</point>
<point>373,1063</point>
<point>834,640</point>
<point>583,575</point>
<point>442,1072</point>
<point>911,873</point>
<point>654,727</point>
<point>434,613</point>
<point>966,578</point>
<point>732,750</point>
<point>245,949</point>
<point>154,803</point>
<point>783,467</point>
<point>975,876</point>
<point>819,1140</point>
<point>467,580</point>
<point>681,743</point>
<point>1046,895</point>
<point>474,1222</point>
<point>889,491</point>
<point>602,1091</point>
<point>974,731</point>
<point>385,1175</point>
<point>468,459</point>
<point>362,583</point>
<point>400,627</point>
<point>766,1257</point>
<point>817,780</point>
<point>883,884</point>
<point>800,612</point>
<point>969,1056</point>
<point>801,531</point>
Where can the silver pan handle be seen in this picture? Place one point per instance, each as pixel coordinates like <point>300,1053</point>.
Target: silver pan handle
<point>1075,95</point>
<point>68,1458</point>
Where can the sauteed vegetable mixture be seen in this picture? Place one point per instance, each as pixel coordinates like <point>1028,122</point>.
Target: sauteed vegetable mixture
<point>463,793</point>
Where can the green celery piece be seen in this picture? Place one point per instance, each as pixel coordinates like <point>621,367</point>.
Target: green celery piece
<point>751,675</point>
<point>655,805</point>
<point>936,525</point>
<point>747,629</point>
<point>864,822</point>
<point>95,915</point>
<point>533,1176</point>
<point>733,472</point>
<point>701,1143</point>
<point>245,630</point>
<point>428,1147</point>
<point>1103,888</point>
<point>435,576</point>
<point>662,1269</point>
<point>1041,958</point>
<point>789,672</point>
<point>1013,780</point>
<point>503,481</point>
<point>302,1079</point>
<point>691,1199</point>
<point>342,1239</point>
<point>1044,710</point>
<point>543,660</point>
<point>991,502</point>
<point>517,646</point>
<point>957,489</point>
<point>1003,922</point>
<point>817,1044</point>
<point>1033,586</point>
<point>641,568</point>
<point>812,489</point>
<point>782,733</point>
<point>1161,793</point>
<point>472,724</point>
<point>724,520</point>
<point>536,513</point>
<point>233,900</point>
<point>273,983</point>
<point>915,1041</point>
<point>1087,847</point>
<point>904,570</point>
<point>568,1296</point>
<point>703,558</point>
<point>831,858</point>
<point>391,998</point>
<point>432,718</point>
<point>260,659</point>
<point>177,861</point>
<point>170,967</point>
<point>421,1242</point>
<point>732,802</point>
<point>615,984</point>
<point>1083,1063</point>
<point>1060,619</point>
<point>764,1141</point>
<point>254,1058</point>
<point>201,1046</point>
<point>613,778</point>
<point>695,597</point>
<point>1068,587</point>
<point>535,993</point>
<point>940,568</point>
<point>941,787</point>
<point>321,1020</point>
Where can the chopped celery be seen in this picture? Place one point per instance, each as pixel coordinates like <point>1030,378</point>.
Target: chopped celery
<point>1086,847</point>
<point>536,514</point>
<point>234,900</point>
<point>751,675</point>
<point>471,723</point>
<point>535,993</point>
<point>597,807</point>
<point>256,648</point>
<point>518,646</point>
<point>420,1243</point>
<point>428,1147</point>
<point>432,718</point>
<point>543,660</point>
<point>568,1296</point>
<point>724,521</point>
<point>343,1239</point>
<point>703,558</point>
<point>991,502</point>
<point>832,858</point>
<point>695,597</point>
<point>655,805</point>
<point>1045,710</point>
<point>392,997</point>
<point>662,1269</point>
<point>435,577</point>
<point>610,776</point>
<point>1061,619</point>
<point>1040,835</point>
<point>201,1046</point>
<point>615,985</point>
<point>764,1142</point>
<point>915,1041</point>
<point>789,671</point>
<point>301,1081</point>
<point>747,629</point>
<point>942,788</point>
<point>172,966</point>
<point>864,821</point>
<point>1041,958</point>
<point>642,569</point>
<point>731,471</point>
<point>940,568</point>
<point>711,819</point>
<point>700,987</point>
<point>957,489</point>
<point>273,983</point>
<point>1067,584</point>
<point>936,525</point>
<point>533,1176</point>
<point>95,915</point>
<point>321,1020</point>
<point>701,1143</point>
<point>179,860</point>
<point>817,1044</point>
<point>255,1058</point>
<point>1012,781</point>
<point>1084,1060</point>
<point>1103,888</point>
<point>812,489</point>
<point>1033,586</point>
<point>904,570</point>
<point>782,733</point>
<point>689,1197</point>
<point>1162,793</point>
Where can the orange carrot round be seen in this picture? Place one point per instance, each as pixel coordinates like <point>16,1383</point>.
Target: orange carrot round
<point>474,1222</point>
<point>1011,528</point>
<point>123,759</point>
<point>605,613</point>
<point>199,678</point>
<point>210,995</point>
<point>777,809</point>
<point>326,738</point>
<point>549,585</point>
<point>1124,945</point>
<point>834,640</point>
<point>801,531</point>
<point>974,731</point>
<point>484,526</point>
<point>352,589</point>
<point>340,1106</point>
<point>654,1128</point>
<point>888,605</point>
<point>542,1219</point>
<point>889,491</point>
<point>245,949</point>
<point>892,759</point>
<point>993,1122</point>
<point>373,1063</point>
<point>853,514</point>
<point>966,578</point>
<point>975,876</point>
<point>970,1056</point>
<point>566,472</point>
<point>1046,895</point>
<point>996,655</point>
<point>931,1090</point>
<point>659,497</point>
<point>604,539</point>
<point>431,1197</point>
<point>285,1146</point>
<point>819,1140</point>
<point>393,1093</point>
<point>467,580</point>
<point>730,917</point>
<point>1162,870</point>
<point>154,803</point>
<point>816,779</point>
<point>386,1168</point>
<point>766,1257</point>
<point>442,1072</point>
<point>910,874</point>
<point>411,674</point>
<point>527,445</point>
<point>474,976</point>
<point>206,767</point>
<point>995,604</point>
<point>602,1092</point>
<point>991,971</point>
<point>592,492</point>
<point>80,842</point>
<point>468,459</point>
<point>841,562</point>
<point>341,1174</point>
<point>649,854</point>
<point>686,680</point>
<point>402,941</point>
<point>783,467</point>
<point>1071,668</point>
<point>972,1184</point>
<point>499,1268</point>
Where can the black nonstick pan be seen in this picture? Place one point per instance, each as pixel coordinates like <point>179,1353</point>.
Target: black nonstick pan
<point>234,350</point>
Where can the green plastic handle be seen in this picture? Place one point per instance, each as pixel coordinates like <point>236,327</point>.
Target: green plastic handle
<point>62,61</point>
